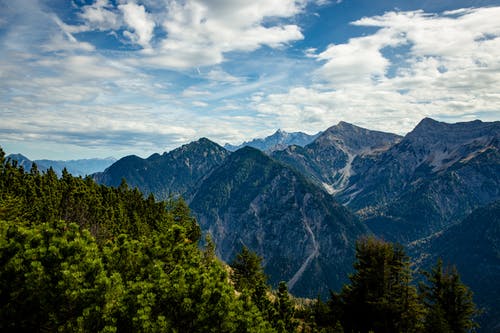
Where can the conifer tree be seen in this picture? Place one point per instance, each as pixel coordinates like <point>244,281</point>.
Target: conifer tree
<point>285,321</point>
<point>249,278</point>
<point>248,273</point>
<point>380,297</point>
<point>448,302</point>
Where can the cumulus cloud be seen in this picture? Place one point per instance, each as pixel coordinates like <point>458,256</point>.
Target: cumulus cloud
<point>140,22</point>
<point>444,65</point>
<point>100,15</point>
<point>199,33</point>
<point>359,60</point>
<point>194,32</point>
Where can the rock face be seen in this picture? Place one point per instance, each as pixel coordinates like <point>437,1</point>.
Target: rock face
<point>173,173</point>
<point>473,246</point>
<point>432,178</point>
<point>81,167</point>
<point>328,159</point>
<point>277,141</point>
<point>304,237</point>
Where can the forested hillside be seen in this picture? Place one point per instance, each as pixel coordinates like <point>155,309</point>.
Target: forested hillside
<point>76,256</point>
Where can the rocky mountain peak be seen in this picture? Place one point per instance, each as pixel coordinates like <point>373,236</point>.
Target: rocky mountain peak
<point>279,140</point>
<point>201,148</point>
<point>201,143</point>
<point>440,144</point>
<point>355,140</point>
<point>432,131</point>
<point>280,132</point>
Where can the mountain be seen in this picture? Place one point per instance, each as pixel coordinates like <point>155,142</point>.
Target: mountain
<point>304,237</point>
<point>473,246</point>
<point>21,160</point>
<point>328,159</point>
<point>174,173</point>
<point>435,176</point>
<point>81,167</point>
<point>401,188</point>
<point>277,141</point>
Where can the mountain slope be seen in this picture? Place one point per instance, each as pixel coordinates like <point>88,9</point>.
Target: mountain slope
<point>328,159</point>
<point>474,247</point>
<point>435,176</point>
<point>277,141</point>
<point>302,234</point>
<point>173,173</point>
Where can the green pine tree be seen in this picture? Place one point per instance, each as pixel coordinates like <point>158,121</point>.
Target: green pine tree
<point>285,321</point>
<point>380,297</point>
<point>449,303</point>
<point>248,273</point>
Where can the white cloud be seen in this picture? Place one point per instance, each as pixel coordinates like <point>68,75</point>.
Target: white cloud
<point>140,21</point>
<point>200,32</point>
<point>359,60</point>
<point>446,66</point>
<point>100,16</point>
<point>199,104</point>
<point>219,75</point>
<point>194,92</point>
<point>197,32</point>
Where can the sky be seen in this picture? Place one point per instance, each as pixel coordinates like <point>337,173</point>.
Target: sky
<point>98,78</point>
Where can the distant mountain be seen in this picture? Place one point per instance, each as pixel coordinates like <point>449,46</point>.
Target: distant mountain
<point>21,160</point>
<point>277,141</point>
<point>80,167</point>
<point>304,237</point>
<point>473,246</point>
<point>435,176</point>
<point>174,173</point>
<point>328,159</point>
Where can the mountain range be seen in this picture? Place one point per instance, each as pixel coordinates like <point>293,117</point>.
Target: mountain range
<point>434,177</point>
<point>81,167</point>
<point>246,198</point>
<point>177,172</point>
<point>303,207</point>
<point>328,159</point>
<point>276,141</point>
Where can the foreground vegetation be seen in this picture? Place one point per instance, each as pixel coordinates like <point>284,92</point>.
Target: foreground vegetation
<point>77,256</point>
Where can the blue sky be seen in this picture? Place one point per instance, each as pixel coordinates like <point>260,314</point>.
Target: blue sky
<point>101,78</point>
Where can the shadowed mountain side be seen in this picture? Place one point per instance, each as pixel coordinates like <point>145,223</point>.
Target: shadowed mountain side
<point>473,246</point>
<point>302,234</point>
